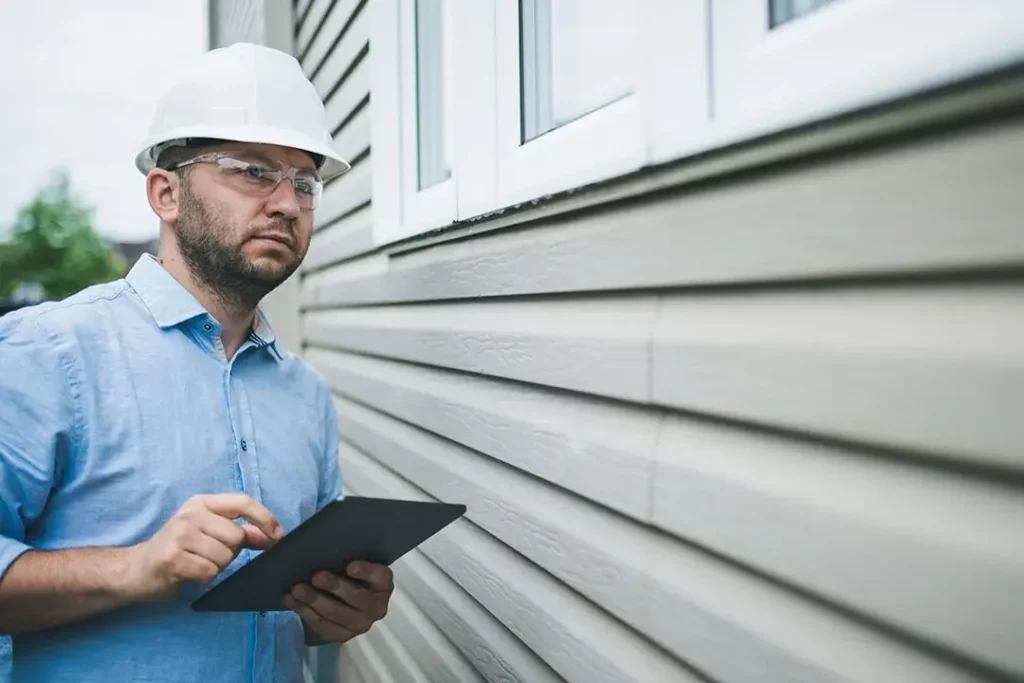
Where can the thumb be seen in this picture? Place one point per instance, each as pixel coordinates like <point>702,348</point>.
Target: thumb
<point>255,538</point>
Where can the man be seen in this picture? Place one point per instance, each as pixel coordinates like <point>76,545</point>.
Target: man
<point>154,435</point>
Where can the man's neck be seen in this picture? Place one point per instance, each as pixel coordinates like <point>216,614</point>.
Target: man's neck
<point>236,321</point>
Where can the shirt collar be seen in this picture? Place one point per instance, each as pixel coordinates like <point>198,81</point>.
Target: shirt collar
<point>168,302</point>
<point>171,304</point>
<point>262,334</point>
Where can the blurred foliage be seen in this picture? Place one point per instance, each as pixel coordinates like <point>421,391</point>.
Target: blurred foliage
<point>53,243</point>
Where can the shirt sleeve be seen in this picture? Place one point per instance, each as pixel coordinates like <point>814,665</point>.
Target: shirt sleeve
<point>330,481</point>
<point>36,429</point>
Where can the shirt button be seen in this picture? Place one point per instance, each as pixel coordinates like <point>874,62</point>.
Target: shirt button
<point>245,446</point>
<point>207,327</point>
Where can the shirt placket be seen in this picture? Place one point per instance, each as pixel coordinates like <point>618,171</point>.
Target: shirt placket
<point>247,457</point>
<point>247,477</point>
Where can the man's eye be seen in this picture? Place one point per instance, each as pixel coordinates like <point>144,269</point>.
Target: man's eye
<point>256,172</point>
<point>304,186</point>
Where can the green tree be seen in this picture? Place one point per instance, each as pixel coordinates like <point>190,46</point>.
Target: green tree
<point>53,243</point>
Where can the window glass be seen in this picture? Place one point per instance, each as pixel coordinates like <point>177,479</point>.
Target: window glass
<point>433,91</point>
<point>575,59</point>
<point>783,11</point>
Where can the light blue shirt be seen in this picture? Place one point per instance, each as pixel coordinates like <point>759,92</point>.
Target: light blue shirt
<point>117,405</point>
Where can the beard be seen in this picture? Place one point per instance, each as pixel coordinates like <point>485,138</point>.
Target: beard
<point>210,247</point>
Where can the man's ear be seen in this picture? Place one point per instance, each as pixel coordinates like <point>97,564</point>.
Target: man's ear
<point>163,190</point>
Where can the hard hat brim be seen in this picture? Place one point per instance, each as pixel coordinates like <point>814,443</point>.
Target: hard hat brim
<point>333,166</point>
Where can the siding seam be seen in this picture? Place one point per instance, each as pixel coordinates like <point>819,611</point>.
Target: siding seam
<point>659,429</point>
<point>334,44</point>
<point>360,105</point>
<point>652,467</point>
<point>316,31</point>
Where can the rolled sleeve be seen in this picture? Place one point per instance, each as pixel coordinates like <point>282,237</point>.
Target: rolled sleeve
<point>36,429</point>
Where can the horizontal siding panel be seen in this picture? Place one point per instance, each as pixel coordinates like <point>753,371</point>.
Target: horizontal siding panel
<point>885,366</point>
<point>723,620</point>
<point>602,451</point>
<point>352,93</point>
<point>740,492</point>
<point>309,26</point>
<point>598,346</point>
<point>490,647</point>
<point>347,671</point>
<point>400,665</point>
<point>354,139</point>
<point>344,53</point>
<point>573,636</point>
<point>333,23</point>
<point>433,652</point>
<point>345,194</point>
<point>893,211</point>
<point>356,267</point>
<point>368,662</point>
<point>349,237</point>
<point>936,368</point>
<point>936,554</point>
<point>238,21</point>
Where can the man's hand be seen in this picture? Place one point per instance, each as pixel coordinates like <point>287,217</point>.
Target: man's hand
<point>197,542</point>
<point>336,608</point>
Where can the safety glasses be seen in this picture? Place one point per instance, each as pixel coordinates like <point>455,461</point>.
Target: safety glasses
<point>262,178</point>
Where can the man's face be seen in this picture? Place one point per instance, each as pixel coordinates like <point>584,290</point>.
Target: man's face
<point>239,241</point>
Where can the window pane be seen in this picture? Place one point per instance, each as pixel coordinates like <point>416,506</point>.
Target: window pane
<point>433,91</point>
<point>575,59</point>
<point>783,11</point>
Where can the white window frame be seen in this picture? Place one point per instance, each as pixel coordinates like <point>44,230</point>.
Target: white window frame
<point>606,142</point>
<point>723,77</point>
<point>848,55</point>
<point>400,208</point>
<point>494,171</point>
<point>677,101</point>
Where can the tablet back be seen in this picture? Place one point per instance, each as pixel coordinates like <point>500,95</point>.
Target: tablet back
<point>377,530</point>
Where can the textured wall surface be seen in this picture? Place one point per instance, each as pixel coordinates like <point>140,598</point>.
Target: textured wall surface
<point>237,21</point>
<point>766,429</point>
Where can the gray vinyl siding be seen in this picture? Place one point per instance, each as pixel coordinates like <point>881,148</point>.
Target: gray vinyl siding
<point>762,428</point>
<point>236,21</point>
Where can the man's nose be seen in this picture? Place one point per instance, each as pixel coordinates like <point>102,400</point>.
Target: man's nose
<point>283,200</point>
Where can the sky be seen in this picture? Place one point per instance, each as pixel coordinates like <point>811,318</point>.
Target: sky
<point>79,84</point>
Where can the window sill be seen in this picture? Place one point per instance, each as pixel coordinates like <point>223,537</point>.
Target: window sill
<point>975,101</point>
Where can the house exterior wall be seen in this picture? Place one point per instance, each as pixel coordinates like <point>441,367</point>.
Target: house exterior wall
<point>235,21</point>
<point>266,23</point>
<point>751,418</point>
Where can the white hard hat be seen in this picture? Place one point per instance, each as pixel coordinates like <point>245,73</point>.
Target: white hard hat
<point>243,93</point>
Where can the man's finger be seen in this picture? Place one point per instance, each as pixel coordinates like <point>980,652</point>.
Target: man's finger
<point>224,530</point>
<point>199,569</point>
<point>378,577</point>
<point>232,505</point>
<point>256,539</point>
<point>232,534</point>
<point>356,594</point>
<point>208,548</point>
<point>332,609</point>
<point>326,629</point>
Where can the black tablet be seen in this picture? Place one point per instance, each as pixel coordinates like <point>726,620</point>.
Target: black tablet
<point>378,530</point>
